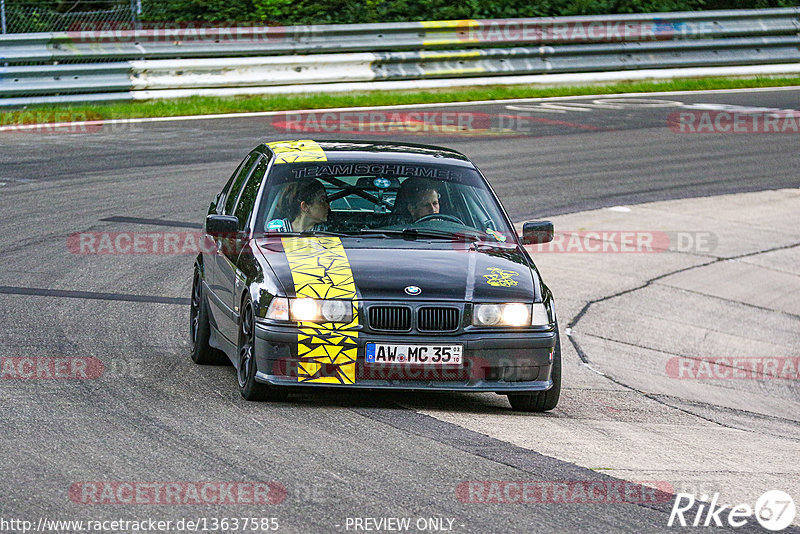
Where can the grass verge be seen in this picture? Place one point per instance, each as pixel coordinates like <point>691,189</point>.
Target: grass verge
<point>215,105</point>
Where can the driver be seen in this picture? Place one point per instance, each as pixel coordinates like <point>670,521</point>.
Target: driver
<point>423,201</point>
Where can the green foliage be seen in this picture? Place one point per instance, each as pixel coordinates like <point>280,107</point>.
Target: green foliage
<point>286,12</point>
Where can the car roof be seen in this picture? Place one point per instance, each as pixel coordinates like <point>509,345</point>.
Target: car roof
<point>354,150</point>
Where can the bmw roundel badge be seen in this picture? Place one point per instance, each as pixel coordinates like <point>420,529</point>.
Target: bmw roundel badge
<point>413,290</point>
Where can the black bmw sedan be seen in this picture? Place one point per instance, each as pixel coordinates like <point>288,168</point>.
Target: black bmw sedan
<point>350,264</point>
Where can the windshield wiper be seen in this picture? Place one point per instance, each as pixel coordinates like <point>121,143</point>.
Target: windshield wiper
<point>413,233</point>
<point>307,233</point>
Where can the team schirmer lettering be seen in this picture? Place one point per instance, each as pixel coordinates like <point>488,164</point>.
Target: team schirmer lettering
<point>371,168</point>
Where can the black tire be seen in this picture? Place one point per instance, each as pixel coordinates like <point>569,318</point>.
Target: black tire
<point>543,401</point>
<point>246,369</point>
<point>200,329</point>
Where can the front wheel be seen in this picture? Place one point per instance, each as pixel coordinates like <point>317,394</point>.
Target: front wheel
<point>200,329</point>
<point>542,401</point>
<point>246,371</point>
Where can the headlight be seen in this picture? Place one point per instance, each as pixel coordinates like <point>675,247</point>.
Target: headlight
<point>487,314</point>
<point>516,314</point>
<point>312,310</point>
<point>337,311</point>
<point>305,310</point>
<point>539,316</point>
<point>512,314</point>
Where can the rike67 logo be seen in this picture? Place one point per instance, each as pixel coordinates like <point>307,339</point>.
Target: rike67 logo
<point>774,510</point>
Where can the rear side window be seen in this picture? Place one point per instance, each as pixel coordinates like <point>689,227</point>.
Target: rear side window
<point>248,197</point>
<point>238,180</point>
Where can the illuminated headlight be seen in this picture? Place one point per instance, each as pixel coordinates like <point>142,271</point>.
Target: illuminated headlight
<point>332,311</point>
<point>539,316</point>
<point>305,310</point>
<point>516,314</point>
<point>512,314</point>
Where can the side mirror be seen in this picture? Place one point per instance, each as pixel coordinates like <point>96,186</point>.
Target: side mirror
<point>222,225</point>
<point>537,232</point>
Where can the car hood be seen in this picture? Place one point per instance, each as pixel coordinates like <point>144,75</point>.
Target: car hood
<point>382,270</point>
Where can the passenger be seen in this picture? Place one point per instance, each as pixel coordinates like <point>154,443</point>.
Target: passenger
<point>305,204</point>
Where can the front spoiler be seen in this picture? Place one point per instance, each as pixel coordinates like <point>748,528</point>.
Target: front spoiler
<point>409,385</point>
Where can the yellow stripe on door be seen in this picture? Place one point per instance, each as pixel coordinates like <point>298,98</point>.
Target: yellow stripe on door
<point>321,270</point>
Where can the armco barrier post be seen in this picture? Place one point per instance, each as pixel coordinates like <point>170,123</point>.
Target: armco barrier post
<point>3,15</point>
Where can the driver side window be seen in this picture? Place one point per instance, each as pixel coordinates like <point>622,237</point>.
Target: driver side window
<point>238,181</point>
<point>248,197</point>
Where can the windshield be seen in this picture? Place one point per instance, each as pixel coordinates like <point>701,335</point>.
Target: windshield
<point>381,199</point>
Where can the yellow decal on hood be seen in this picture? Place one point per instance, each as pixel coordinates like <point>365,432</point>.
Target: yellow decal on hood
<point>321,270</point>
<point>500,277</point>
<point>297,151</point>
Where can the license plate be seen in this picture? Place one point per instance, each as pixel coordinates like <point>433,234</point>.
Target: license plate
<point>393,354</point>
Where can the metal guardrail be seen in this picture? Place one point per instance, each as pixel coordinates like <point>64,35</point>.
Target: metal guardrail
<point>99,64</point>
<point>194,41</point>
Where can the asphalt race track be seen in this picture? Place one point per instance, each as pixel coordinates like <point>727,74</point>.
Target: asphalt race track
<point>152,416</point>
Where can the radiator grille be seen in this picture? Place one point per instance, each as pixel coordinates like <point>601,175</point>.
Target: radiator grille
<point>435,319</point>
<point>390,318</point>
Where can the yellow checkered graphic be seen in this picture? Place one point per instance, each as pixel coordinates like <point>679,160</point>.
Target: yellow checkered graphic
<point>321,270</point>
<point>297,151</point>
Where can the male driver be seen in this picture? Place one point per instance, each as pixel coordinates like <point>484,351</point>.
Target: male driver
<point>423,201</point>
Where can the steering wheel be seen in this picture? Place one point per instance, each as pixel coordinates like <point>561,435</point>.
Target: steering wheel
<point>440,217</point>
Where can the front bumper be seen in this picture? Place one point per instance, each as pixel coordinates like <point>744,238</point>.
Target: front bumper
<point>501,362</point>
